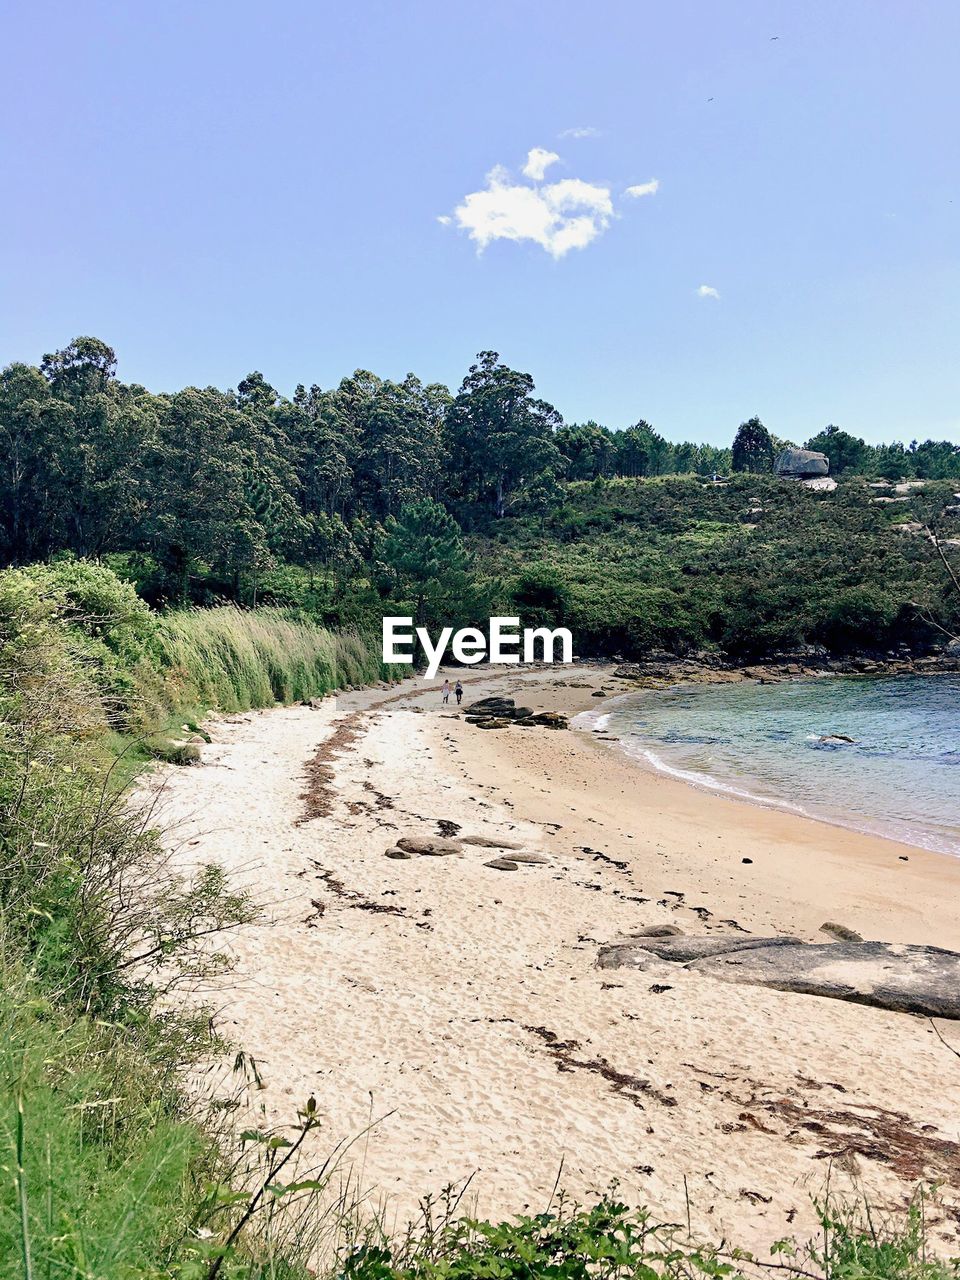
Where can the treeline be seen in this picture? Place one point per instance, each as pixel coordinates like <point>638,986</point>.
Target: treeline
<point>217,487</point>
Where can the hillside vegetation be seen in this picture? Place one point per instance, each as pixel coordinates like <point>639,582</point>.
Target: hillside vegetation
<point>378,496</point>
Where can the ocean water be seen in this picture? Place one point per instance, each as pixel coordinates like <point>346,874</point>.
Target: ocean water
<point>900,777</point>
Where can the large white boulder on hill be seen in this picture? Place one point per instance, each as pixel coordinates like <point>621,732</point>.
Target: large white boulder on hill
<point>802,464</point>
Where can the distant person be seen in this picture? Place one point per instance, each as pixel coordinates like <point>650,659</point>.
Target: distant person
<point>446,692</point>
<point>459,692</point>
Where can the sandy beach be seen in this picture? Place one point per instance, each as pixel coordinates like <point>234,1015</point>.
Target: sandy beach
<point>461,1007</point>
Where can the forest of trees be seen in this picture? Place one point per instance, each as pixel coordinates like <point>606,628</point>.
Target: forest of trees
<point>205,492</point>
<point>90,464</point>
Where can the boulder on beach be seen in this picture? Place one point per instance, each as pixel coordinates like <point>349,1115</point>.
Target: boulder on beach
<point>489,705</point>
<point>895,976</point>
<point>635,952</point>
<point>902,978</point>
<point>429,846</point>
<point>489,842</point>
<point>546,719</point>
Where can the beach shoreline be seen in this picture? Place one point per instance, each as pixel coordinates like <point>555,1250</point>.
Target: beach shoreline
<point>461,1008</point>
<point>590,720</point>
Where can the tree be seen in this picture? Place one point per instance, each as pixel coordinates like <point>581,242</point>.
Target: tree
<point>502,438</point>
<point>221,492</point>
<point>641,451</point>
<point>588,449</point>
<point>95,455</point>
<point>846,452</point>
<point>29,422</point>
<point>423,557</point>
<point>752,447</point>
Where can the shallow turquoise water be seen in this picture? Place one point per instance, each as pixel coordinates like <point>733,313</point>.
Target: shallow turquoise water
<point>899,778</point>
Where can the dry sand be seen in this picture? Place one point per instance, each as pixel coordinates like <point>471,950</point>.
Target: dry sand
<point>463,1004</point>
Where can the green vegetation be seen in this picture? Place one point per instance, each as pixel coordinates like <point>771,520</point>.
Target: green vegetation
<point>109,1175</point>
<point>144,529</point>
<point>381,497</point>
<point>611,1241</point>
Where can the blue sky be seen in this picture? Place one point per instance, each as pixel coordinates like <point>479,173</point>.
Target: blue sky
<point>216,187</point>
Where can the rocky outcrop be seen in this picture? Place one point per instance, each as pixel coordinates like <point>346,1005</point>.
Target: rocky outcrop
<point>899,977</point>
<point>501,713</point>
<point>801,464</point>
<point>635,952</point>
<point>905,979</point>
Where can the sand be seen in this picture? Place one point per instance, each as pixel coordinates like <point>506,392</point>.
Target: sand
<point>460,1008</point>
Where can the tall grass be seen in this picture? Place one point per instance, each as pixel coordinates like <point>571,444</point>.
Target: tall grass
<point>232,659</point>
<point>103,1165</point>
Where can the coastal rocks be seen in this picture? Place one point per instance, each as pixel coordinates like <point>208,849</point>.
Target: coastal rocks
<point>493,706</point>
<point>429,846</point>
<point>904,979</point>
<point>634,953</point>
<point>511,859</point>
<point>546,719</point>
<point>489,842</point>
<point>897,977</point>
<point>503,708</point>
<point>501,713</point>
<point>840,931</point>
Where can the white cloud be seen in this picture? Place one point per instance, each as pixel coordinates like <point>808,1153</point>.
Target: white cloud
<point>539,161</point>
<point>644,189</point>
<point>582,131</point>
<point>560,216</point>
<point>707,291</point>
<point>444,219</point>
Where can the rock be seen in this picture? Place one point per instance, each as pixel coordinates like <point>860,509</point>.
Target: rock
<point>529,859</point>
<point>836,739</point>
<point>801,464</point>
<point>677,947</point>
<point>895,976</point>
<point>490,703</point>
<point>398,853</point>
<point>501,864</point>
<point>429,846</point>
<point>654,931</point>
<point>840,931</point>
<point>493,722</point>
<point>904,979</point>
<point>489,842</point>
<point>599,693</point>
<point>547,719</point>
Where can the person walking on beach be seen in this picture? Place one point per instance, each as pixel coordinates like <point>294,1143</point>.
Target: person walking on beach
<point>459,692</point>
<point>446,692</point>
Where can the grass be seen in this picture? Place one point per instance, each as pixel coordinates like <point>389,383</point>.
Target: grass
<point>233,659</point>
<point>102,1166</point>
